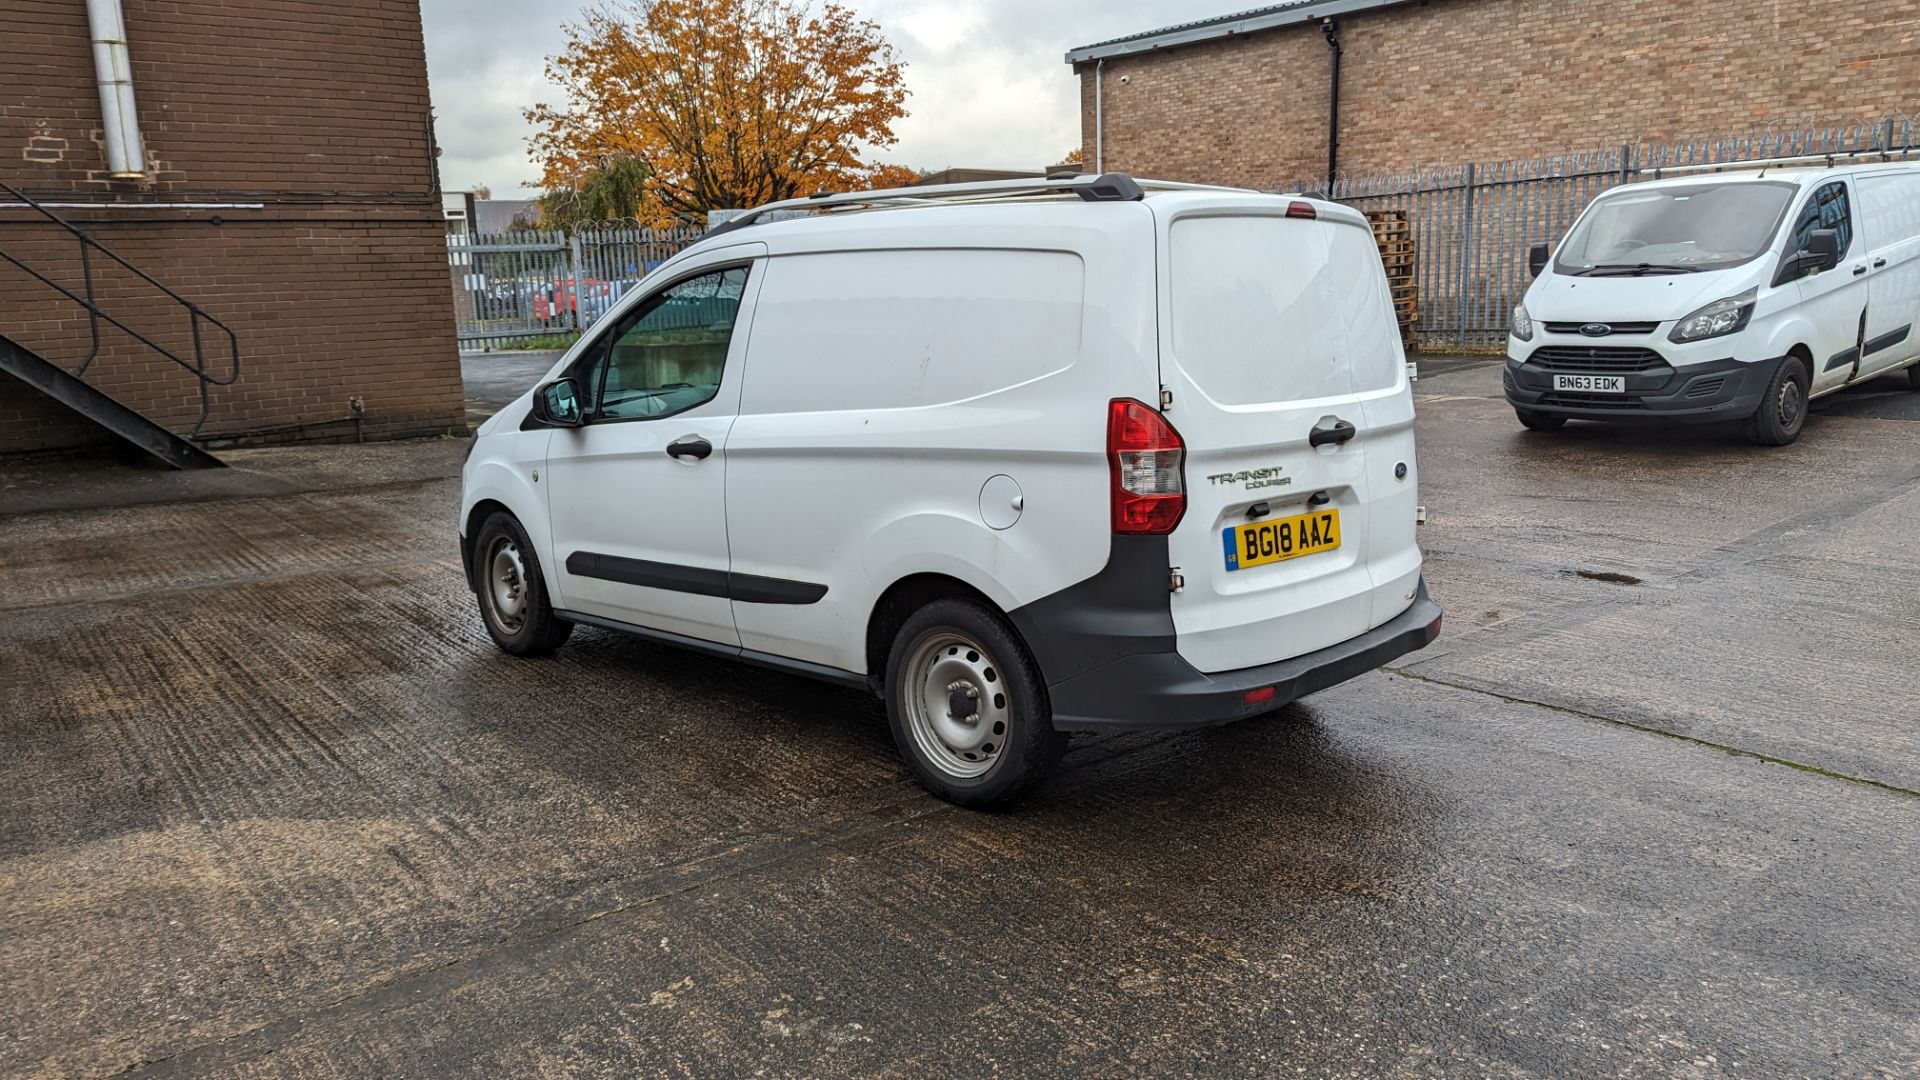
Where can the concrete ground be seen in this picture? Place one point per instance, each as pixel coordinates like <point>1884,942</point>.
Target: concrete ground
<point>1650,806</point>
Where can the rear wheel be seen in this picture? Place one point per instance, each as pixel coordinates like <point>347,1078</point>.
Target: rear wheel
<point>513,595</point>
<point>967,706</point>
<point>1535,420</point>
<point>1784,407</point>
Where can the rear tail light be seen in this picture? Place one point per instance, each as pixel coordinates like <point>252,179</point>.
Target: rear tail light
<point>1149,469</point>
<point>1298,209</point>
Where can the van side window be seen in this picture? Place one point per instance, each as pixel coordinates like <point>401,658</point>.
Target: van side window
<point>1826,208</point>
<point>667,355</point>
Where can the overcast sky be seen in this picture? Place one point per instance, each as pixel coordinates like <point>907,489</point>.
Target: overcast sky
<point>989,86</point>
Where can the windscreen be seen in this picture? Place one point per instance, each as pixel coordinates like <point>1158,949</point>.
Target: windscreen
<point>1701,226</point>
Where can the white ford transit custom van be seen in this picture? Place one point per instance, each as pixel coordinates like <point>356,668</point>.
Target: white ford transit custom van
<point>1723,296</point>
<point>1022,457</point>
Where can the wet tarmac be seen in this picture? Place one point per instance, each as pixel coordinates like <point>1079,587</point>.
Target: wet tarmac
<point>1651,805</point>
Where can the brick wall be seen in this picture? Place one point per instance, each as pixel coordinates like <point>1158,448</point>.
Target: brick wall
<point>314,118</point>
<point>1448,81</point>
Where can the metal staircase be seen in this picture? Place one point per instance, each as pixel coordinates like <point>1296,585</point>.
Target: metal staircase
<point>70,388</point>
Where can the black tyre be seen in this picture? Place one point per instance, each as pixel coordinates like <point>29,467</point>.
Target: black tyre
<point>968,709</point>
<point>1913,377</point>
<point>1535,420</point>
<point>1783,409</point>
<point>512,592</point>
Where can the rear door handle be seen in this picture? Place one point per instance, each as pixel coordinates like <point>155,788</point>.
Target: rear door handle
<point>1337,432</point>
<point>690,446</point>
<point>1878,263</point>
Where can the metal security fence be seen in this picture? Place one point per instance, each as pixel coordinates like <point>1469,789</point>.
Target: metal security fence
<point>1472,224</point>
<point>524,286</point>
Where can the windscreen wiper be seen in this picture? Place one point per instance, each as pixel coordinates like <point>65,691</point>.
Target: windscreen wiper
<point>1637,269</point>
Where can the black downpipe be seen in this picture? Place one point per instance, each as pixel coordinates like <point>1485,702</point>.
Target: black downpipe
<point>1328,28</point>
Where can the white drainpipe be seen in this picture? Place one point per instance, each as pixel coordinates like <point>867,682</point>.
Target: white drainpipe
<point>114,72</point>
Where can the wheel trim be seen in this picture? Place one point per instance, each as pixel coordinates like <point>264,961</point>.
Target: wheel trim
<point>956,704</point>
<point>507,585</point>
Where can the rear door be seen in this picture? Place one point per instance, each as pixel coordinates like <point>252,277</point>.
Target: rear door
<point>1278,343</point>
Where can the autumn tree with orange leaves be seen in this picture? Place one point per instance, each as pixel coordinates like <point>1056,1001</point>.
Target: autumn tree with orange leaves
<point>723,103</point>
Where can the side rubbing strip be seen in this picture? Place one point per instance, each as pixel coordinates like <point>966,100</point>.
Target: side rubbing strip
<point>651,575</point>
<point>749,589</point>
<point>1843,359</point>
<point>746,588</point>
<point>1889,339</point>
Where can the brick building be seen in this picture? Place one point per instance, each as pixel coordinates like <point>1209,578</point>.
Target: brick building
<point>1245,99</point>
<point>288,188</point>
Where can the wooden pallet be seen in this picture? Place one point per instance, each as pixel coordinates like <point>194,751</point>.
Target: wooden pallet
<point>1393,233</point>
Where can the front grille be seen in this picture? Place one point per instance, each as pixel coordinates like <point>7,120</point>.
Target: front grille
<point>1567,399</point>
<point>1596,358</point>
<point>1707,387</point>
<point>1612,328</point>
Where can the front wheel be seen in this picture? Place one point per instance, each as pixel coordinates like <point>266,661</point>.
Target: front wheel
<point>512,593</point>
<point>1535,420</point>
<point>1783,409</point>
<point>968,709</point>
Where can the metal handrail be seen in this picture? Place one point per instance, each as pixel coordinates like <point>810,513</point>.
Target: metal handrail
<point>195,315</point>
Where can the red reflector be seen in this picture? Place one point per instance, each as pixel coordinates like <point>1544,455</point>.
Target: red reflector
<point>1261,696</point>
<point>1148,463</point>
<point>1301,210</point>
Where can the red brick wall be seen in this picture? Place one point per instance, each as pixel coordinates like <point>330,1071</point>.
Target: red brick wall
<point>333,275</point>
<point>1448,81</point>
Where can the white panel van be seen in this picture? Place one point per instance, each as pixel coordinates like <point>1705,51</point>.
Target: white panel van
<point>1723,296</point>
<point>1022,457</point>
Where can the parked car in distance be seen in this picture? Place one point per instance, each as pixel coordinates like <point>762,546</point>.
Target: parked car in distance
<point>1021,457</point>
<point>1723,296</point>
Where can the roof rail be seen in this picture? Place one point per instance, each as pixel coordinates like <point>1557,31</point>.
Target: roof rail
<point>1104,187</point>
<point>1902,153</point>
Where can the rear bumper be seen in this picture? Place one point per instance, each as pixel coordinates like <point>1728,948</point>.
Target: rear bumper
<point>1696,393</point>
<point>1162,690</point>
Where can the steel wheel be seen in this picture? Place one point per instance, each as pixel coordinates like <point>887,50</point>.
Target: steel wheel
<point>956,704</point>
<point>506,585</point>
<point>1789,405</point>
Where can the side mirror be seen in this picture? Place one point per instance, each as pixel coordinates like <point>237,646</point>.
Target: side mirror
<point>1822,251</point>
<point>558,403</point>
<point>1537,259</point>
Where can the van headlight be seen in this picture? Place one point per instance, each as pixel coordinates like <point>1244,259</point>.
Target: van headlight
<point>1522,325</point>
<point>1717,319</point>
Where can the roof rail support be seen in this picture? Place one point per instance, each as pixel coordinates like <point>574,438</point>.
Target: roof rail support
<point>1106,187</point>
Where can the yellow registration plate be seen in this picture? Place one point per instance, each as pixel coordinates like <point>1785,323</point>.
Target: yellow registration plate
<point>1265,542</point>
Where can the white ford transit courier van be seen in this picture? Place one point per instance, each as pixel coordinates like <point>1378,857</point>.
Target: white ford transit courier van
<point>1723,296</point>
<point>1023,457</point>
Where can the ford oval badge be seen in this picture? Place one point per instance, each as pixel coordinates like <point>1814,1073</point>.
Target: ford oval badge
<point>1596,329</point>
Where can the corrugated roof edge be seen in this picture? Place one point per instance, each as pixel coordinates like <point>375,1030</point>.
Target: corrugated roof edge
<point>1266,18</point>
